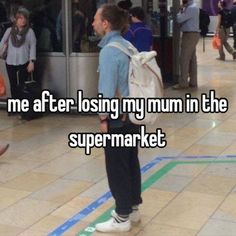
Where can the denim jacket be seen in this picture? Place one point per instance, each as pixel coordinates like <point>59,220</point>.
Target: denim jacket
<point>113,67</point>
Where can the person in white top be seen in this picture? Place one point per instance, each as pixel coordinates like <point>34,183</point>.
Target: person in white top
<point>21,53</point>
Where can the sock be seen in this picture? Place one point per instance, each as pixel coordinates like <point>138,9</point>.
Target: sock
<point>135,208</point>
<point>121,218</point>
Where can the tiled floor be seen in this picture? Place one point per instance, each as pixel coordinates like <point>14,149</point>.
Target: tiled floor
<point>43,182</point>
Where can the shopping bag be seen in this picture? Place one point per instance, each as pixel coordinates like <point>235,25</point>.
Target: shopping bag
<point>4,49</point>
<point>2,86</point>
<point>216,42</point>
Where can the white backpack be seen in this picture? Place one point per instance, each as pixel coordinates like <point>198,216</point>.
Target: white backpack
<point>145,80</point>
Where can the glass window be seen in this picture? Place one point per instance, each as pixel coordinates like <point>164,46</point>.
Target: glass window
<point>170,17</point>
<point>153,15</point>
<point>45,19</point>
<point>3,12</point>
<point>83,37</point>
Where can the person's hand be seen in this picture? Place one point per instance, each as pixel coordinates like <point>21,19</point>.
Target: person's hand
<point>219,5</point>
<point>30,67</point>
<point>182,8</point>
<point>104,126</point>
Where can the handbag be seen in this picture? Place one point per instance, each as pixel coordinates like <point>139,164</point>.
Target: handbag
<point>2,86</point>
<point>4,49</point>
<point>216,42</point>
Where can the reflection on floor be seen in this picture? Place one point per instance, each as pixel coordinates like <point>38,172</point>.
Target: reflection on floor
<point>43,182</point>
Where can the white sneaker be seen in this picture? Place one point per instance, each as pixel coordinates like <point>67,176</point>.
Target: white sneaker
<point>134,216</point>
<point>112,226</point>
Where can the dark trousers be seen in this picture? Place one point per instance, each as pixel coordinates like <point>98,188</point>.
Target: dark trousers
<point>188,59</point>
<point>17,82</point>
<point>123,172</point>
<point>234,32</point>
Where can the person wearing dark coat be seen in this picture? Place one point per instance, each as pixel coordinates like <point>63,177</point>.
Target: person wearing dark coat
<point>233,12</point>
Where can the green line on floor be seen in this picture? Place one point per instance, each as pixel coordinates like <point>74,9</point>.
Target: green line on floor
<point>157,175</point>
<point>89,230</point>
<point>204,162</point>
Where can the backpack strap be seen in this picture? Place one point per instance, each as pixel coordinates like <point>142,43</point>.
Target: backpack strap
<point>130,51</point>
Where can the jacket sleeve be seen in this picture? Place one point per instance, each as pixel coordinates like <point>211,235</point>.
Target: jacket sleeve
<point>184,16</point>
<point>32,45</point>
<point>5,37</point>
<point>108,73</point>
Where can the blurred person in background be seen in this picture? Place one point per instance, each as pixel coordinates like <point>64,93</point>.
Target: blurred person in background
<point>188,19</point>
<point>139,34</point>
<point>223,30</point>
<point>21,53</point>
<point>233,12</point>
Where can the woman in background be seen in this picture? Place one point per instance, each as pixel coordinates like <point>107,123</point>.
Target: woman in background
<point>21,53</point>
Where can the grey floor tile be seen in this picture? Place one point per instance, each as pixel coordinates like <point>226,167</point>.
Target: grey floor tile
<point>218,228</point>
<point>222,169</point>
<point>220,215</point>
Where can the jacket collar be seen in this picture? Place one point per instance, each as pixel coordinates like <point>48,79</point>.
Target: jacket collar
<point>107,38</point>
